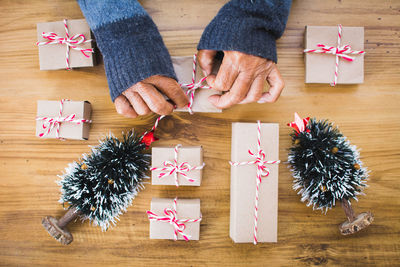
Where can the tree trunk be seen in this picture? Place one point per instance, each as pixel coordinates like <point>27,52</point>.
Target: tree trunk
<point>348,210</point>
<point>57,228</point>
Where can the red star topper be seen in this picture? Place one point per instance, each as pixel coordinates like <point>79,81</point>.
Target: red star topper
<point>299,124</point>
<point>149,138</point>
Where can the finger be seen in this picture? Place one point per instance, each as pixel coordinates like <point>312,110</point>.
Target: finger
<point>276,86</point>
<point>137,102</point>
<point>255,91</point>
<point>226,76</point>
<point>123,107</point>
<point>238,92</point>
<point>154,100</point>
<point>170,88</point>
<point>205,58</point>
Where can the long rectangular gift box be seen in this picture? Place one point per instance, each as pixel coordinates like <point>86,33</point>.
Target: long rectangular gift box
<point>53,51</point>
<point>63,119</point>
<point>184,212</point>
<point>179,165</point>
<point>185,70</point>
<point>252,220</point>
<point>320,61</point>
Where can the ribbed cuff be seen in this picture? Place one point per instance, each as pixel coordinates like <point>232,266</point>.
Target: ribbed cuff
<point>133,50</point>
<point>238,34</point>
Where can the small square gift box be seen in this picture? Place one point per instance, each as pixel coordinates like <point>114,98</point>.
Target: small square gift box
<point>179,165</point>
<point>193,82</point>
<point>334,54</point>
<point>63,119</point>
<point>254,182</point>
<point>64,45</point>
<point>174,219</point>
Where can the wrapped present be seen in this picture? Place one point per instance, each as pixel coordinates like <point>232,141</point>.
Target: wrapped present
<point>177,165</point>
<point>334,55</point>
<point>173,219</point>
<point>63,119</point>
<point>64,44</point>
<point>254,182</point>
<point>193,82</point>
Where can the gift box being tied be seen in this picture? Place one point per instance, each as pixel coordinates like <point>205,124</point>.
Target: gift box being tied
<point>64,45</point>
<point>179,165</point>
<point>173,219</point>
<point>63,119</point>
<point>193,82</point>
<point>334,55</point>
<point>254,182</point>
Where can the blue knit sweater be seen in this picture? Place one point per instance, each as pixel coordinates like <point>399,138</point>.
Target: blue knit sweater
<point>133,49</point>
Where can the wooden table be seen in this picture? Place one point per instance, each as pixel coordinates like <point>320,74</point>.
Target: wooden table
<point>368,114</point>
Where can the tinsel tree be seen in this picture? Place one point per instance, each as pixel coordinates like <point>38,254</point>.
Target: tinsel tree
<point>327,169</point>
<point>101,185</point>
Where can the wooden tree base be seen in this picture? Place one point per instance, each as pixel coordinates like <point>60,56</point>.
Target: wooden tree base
<point>62,235</point>
<point>363,220</point>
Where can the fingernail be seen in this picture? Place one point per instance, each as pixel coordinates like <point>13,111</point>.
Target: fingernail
<point>261,101</point>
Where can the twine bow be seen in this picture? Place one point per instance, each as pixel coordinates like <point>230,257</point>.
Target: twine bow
<point>174,168</point>
<point>194,85</point>
<point>262,171</point>
<point>49,123</point>
<point>338,51</point>
<point>171,216</point>
<point>70,42</point>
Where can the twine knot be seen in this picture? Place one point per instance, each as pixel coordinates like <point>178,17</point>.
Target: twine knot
<point>174,168</point>
<point>194,85</point>
<point>171,216</point>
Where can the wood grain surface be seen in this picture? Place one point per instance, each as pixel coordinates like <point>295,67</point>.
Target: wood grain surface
<point>367,113</point>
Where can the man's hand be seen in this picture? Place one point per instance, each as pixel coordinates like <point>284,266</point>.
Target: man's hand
<point>243,76</point>
<point>145,97</point>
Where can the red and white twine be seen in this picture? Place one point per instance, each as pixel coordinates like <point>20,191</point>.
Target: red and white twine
<point>49,123</point>
<point>262,171</point>
<point>72,42</point>
<point>338,51</point>
<point>171,216</point>
<point>174,168</point>
<point>191,87</point>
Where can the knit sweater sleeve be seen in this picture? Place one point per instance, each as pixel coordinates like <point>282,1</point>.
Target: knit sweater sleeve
<point>129,41</point>
<point>249,26</point>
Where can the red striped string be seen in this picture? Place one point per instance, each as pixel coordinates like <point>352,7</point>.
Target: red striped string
<point>190,93</point>
<point>174,168</point>
<point>70,42</point>
<point>262,171</point>
<point>171,216</point>
<point>191,87</point>
<point>49,123</point>
<point>338,51</point>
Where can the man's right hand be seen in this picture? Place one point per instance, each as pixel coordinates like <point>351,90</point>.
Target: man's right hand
<point>146,96</point>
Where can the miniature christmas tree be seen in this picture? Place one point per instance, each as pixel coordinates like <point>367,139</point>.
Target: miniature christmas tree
<point>326,169</point>
<point>102,185</point>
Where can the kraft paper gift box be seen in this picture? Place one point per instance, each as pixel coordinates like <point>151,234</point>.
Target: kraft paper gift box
<point>243,184</point>
<point>53,56</point>
<point>68,130</point>
<point>183,67</point>
<point>320,68</point>
<point>186,209</point>
<point>193,155</point>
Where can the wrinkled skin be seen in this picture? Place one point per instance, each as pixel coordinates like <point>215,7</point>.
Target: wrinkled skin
<point>241,76</point>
